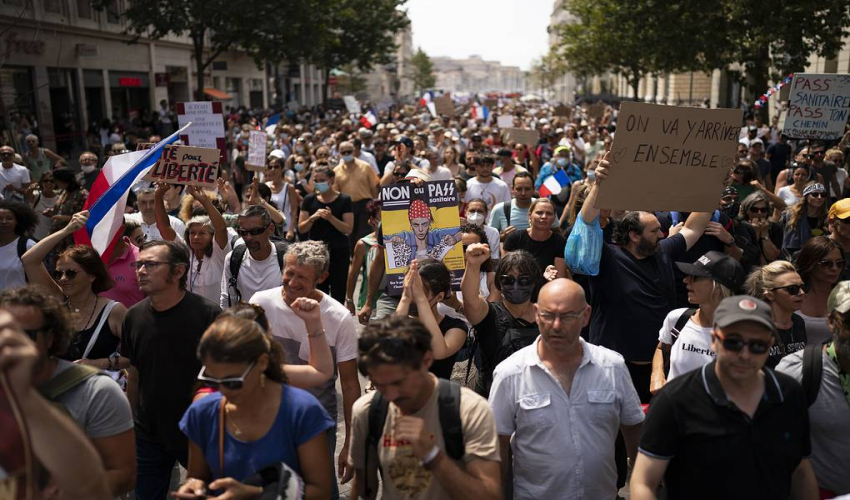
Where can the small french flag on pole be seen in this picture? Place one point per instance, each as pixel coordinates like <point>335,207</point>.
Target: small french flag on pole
<point>369,120</point>
<point>425,100</point>
<point>554,183</point>
<point>480,112</point>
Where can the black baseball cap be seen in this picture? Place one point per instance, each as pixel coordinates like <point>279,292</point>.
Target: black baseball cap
<point>718,266</point>
<point>504,152</point>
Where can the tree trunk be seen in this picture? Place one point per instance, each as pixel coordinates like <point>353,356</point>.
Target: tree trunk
<point>635,83</point>
<point>326,85</point>
<point>198,42</point>
<point>757,77</point>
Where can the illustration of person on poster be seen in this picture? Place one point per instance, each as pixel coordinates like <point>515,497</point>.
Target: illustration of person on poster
<point>421,222</point>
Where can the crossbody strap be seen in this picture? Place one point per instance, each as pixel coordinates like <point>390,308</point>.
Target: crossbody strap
<point>104,315</point>
<point>222,413</point>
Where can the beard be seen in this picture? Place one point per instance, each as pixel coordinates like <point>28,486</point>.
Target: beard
<point>647,247</point>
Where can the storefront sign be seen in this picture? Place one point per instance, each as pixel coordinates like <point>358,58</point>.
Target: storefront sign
<point>129,82</point>
<point>187,166</point>
<point>14,45</point>
<point>87,50</point>
<point>162,79</point>
<point>207,130</point>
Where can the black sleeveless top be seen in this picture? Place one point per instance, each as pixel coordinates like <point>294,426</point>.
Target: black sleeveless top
<point>106,343</point>
<point>442,368</point>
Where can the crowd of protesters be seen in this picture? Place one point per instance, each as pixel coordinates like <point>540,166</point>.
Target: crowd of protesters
<point>227,331</point>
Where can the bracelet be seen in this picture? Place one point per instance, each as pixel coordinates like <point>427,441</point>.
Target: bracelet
<point>349,301</point>
<point>429,458</point>
<point>316,334</point>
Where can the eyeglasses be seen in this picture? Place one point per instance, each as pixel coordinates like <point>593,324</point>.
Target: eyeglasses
<point>794,289</point>
<point>274,166</point>
<point>814,154</point>
<point>549,317</point>
<point>832,263</point>
<point>817,194</point>
<point>737,344</point>
<point>254,231</point>
<point>758,210</point>
<point>6,153</point>
<point>508,280</point>
<point>69,274</point>
<point>149,264</point>
<point>231,383</point>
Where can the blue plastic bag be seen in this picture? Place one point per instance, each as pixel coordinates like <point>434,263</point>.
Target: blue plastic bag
<point>584,247</point>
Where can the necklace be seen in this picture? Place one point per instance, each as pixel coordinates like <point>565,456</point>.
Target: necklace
<point>77,310</point>
<point>236,429</point>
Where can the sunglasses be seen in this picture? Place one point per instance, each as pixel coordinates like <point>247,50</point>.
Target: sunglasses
<point>817,194</point>
<point>399,174</point>
<point>231,383</point>
<point>737,344</point>
<point>69,274</point>
<point>794,289</point>
<point>254,231</point>
<point>7,154</point>
<point>832,263</point>
<point>347,152</point>
<point>508,280</point>
<point>758,210</point>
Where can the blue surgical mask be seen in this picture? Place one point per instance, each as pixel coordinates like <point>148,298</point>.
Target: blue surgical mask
<point>348,158</point>
<point>591,174</point>
<point>299,167</point>
<point>562,162</point>
<point>322,187</point>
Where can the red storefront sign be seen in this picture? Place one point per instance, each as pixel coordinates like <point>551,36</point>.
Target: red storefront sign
<point>130,82</point>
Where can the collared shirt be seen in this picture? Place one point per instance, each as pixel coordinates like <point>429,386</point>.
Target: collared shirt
<point>563,445</point>
<point>358,181</point>
<point>693,424</point>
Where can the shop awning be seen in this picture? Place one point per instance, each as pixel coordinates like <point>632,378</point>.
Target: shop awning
<point>217,94</point>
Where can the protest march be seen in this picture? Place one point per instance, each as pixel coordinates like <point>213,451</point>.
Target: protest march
<point>477,296</point>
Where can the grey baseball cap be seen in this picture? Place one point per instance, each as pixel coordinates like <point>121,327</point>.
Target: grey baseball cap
<point>839,298</point>
<point>738,308</point>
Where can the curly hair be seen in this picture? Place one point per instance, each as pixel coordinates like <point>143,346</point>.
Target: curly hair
<point>56,319</point>
<point>26,219</point>
<point>88,259</point>
<point>394,340</point>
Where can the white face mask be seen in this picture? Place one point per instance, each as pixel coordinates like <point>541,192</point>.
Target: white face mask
<point>476,218</point>
<point>88,168</point>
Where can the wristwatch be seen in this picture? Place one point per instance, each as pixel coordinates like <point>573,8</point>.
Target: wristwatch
<point>316,334</point>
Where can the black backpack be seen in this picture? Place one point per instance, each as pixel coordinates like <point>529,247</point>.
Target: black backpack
<point>236,262</point>
<point>812,372</point>
<point>677,329</point>
<point>448,404</point>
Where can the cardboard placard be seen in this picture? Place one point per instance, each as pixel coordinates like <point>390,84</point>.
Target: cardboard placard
<point>562,110</point>
<point>818,106</point>
<point>421,222</point>
<point>596,110</point>
<point>444,105</point>
<point>505,121</point>
<point>670,158</point>
<point>207,130</point>
<point>141,146</point>
<point>351,104</point>
<point>257,143</point>
<point>521,136</point>
<point>186,165</point>
<point>491,103</point>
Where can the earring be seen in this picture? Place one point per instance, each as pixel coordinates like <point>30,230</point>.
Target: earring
<point>262,381</point>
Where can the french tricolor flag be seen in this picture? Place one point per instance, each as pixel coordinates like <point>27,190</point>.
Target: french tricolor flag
<point>554,183</point>
<point>426,99</point>
<point>108,196</point>
<point>369,120</point>
<point>480,112</point>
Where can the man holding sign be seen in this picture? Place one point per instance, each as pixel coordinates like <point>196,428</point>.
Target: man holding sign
<point>635,287</point>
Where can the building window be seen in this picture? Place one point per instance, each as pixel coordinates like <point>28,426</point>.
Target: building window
<point>113,13</point>
<point>54,6</point>
<point>16,3</point>
<point>84,10</point>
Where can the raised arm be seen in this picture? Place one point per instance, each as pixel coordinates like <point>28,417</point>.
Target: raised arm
<point>777,202</point>
<point>694,227</point>
<point>475,308</point>
<point>162,221</point>
<point>216,218</point>
<point>589,212</point>
<point>321,367</point>
<point>33,259</point>
<point>356,265</point>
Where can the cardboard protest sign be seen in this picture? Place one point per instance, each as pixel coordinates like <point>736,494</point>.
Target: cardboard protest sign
<point>670,158</point>
<point>257,151</point>
<point>17,477</point>
<point>596,110</point>
<point>818,106</point>
<point>444,105</point>
<point>420,223</point>
<point>521,136</point>
<point>491,103</point>
<point>186,165</point>
<point>141,146</point>
<point>565,111</point>
<point>351,104</point>
<point>505,121</point>
<point>207,130</point>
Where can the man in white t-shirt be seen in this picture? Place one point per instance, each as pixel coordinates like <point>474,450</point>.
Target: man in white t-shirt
<point>146,216</point>
<point>14,178</point>
<point>305,266</point>
<point>485,186</point>
<point>261,265</point>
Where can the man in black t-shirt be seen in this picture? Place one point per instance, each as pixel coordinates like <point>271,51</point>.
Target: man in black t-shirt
<point>635,287</point>
<point>160,336</point>
<point>731,429</point>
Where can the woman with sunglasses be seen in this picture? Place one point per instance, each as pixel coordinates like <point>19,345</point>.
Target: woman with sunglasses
<point>256,420</point>
<point>539,240</point>
<point>806,219</point>
<point>78,280</point>
<point>207,238</point>
<point>284,197</point>
<point>800,175</point>
<point>820,264</point>
<point>767,234</point>
<point>42,196</point>
<point>327,216</point>
<point>710,279</point>
<point>779,285</point>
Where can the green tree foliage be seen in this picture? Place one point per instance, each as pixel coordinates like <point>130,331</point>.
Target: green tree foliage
<point>423,72</point>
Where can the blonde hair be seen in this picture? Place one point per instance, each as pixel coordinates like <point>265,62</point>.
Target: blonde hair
<point>763,279</point>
